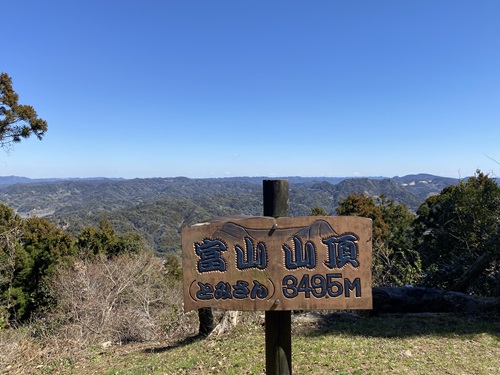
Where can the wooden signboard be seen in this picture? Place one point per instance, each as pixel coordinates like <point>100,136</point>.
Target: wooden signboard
<point>263,263</point>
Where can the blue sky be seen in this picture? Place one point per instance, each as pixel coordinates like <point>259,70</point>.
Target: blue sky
<point>258,88</point>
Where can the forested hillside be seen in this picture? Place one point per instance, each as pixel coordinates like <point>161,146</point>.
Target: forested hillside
<point>159,207</point>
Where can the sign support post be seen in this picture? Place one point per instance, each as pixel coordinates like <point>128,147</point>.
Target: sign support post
<point>277,323</point>
<point>277,264</point>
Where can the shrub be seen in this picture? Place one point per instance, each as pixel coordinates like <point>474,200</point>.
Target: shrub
<point>122,299</point>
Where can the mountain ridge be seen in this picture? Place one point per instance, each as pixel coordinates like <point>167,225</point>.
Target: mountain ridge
<point>12,180</point>
<point>159,207</point>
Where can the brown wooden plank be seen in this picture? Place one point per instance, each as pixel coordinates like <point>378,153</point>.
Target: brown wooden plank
<point>328,264</point>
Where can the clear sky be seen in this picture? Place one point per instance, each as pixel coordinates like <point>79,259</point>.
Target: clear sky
<point>216,88</point>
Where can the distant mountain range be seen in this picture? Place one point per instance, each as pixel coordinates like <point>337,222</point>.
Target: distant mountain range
<point>44,197</point>
<point>159,207</point>
<point>12,180</point>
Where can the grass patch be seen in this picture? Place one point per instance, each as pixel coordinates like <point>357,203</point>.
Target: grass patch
<point>397,345</point>
<point>337,344</point>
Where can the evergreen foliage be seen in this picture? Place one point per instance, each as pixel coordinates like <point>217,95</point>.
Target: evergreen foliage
<point>456,229</point>
<point>104,240</point>
<point>318,211</point>
<point>16,121</point>
<point>395,263</point>
<point>30,251</point>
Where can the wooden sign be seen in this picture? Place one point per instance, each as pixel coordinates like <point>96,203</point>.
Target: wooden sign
<point>263,263</point>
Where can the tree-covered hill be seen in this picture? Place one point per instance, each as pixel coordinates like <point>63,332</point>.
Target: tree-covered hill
<point>159,207</point>
<point>107,195</point>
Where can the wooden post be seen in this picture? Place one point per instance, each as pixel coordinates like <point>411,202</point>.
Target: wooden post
<point>276,198</point>
<point>206,319</point>
<point>278,323</point>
